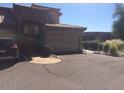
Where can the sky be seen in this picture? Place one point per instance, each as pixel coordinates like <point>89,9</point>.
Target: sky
<point>96,17</point>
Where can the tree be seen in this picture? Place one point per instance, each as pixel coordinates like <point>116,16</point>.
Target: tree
<point>118,25</point>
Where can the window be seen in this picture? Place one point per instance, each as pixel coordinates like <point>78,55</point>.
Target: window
<point>1,18</point>
<point>49,17</point>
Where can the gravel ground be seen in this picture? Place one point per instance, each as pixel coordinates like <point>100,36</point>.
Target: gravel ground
<point>78,71</point>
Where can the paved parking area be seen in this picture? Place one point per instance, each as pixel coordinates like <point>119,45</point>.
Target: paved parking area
<point>78,71</point>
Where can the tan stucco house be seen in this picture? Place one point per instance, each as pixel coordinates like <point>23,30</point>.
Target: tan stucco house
<point>35,26</point>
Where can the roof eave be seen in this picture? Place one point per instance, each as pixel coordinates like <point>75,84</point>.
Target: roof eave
<point>84,29</point>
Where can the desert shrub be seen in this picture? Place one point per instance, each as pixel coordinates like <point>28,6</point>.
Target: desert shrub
<point>46,51</point>
<point>106,48</point>
<point>113,51</point>
<point>120,45</point>
<point>106,45</point>
<point>112,47</point>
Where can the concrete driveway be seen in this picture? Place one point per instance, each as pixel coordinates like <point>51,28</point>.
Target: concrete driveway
<point>78,71</point>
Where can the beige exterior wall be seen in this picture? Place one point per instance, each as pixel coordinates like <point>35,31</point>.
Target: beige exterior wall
<point>55,16</point>
<point>64,40</point>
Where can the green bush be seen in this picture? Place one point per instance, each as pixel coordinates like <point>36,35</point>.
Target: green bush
<point>106,48</point>
<point>106,45</point>
<point>111,47</point>
<point>92,45</point>
<point>113,51</point>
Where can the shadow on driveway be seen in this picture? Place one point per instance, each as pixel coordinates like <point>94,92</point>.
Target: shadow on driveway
<point>6,64</point>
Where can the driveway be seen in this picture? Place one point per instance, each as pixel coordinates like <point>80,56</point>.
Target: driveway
<point>78,71</point>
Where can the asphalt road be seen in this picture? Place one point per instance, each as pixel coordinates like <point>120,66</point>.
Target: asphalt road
<point>79,71</point>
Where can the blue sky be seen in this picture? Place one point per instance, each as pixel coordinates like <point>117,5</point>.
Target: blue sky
<point>96,17</point>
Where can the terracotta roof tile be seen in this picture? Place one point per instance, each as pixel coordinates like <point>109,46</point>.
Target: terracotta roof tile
<point>64,25</point>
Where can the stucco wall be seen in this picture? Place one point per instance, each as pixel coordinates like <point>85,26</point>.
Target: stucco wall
<point>54,18</point>
<point>64,40</point>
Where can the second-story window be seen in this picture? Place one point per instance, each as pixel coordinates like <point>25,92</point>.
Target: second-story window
<point>49,17</point>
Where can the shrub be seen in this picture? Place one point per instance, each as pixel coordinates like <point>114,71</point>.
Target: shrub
<point>112,47</point>
<point>46,51</point>
<point>113,51</point>
<point>106,46</point>
<point>92,45</point>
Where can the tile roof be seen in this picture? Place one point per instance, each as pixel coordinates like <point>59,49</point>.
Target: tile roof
<point>43,7</point>
<point>64,25</point>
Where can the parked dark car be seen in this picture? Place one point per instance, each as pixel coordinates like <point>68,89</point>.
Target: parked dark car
<point>8,49</point>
